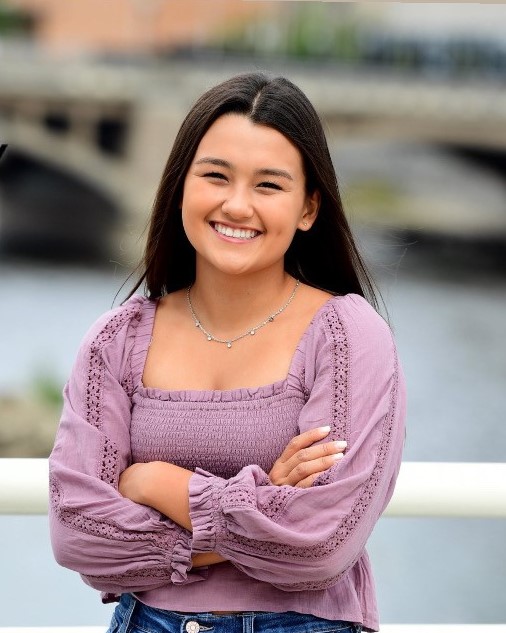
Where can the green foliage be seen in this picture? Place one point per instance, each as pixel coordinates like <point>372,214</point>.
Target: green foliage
<point>311,30</point>
<point>14,22</point>
<point>375,199</point>
<point>47,389</point>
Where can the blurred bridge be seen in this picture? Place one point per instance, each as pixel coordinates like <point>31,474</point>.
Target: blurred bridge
<point>112,126</point>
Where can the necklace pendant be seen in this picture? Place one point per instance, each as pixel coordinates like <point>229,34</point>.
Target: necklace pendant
<point>251,332</point>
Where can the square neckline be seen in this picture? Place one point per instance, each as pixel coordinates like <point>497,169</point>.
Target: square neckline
<point>143,338</point>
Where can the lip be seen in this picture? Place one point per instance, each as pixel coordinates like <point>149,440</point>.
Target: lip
<point>237,240</point>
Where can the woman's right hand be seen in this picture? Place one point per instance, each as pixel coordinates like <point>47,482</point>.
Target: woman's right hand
<point>301,462</point>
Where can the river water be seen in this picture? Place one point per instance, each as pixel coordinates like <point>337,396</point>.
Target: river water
<point>450,333</point>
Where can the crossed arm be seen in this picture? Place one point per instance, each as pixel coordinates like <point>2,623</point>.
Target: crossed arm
<point>137,538</point>
<point>165,487</point>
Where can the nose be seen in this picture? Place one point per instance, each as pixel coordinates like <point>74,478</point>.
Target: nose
<point>238,204</point>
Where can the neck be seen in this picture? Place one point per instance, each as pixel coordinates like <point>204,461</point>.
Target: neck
<point>228,305</point>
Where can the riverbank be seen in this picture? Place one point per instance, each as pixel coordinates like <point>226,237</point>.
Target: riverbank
<point>28,426</point>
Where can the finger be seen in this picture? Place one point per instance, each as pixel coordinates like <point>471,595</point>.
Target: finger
<point>308,481</point>
<point>282,469</point>
<point>303,441</point>
<point>316,466</point>
<point>314,452</point>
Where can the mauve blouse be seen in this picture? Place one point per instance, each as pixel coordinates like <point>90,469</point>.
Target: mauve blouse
<point>289,549</point>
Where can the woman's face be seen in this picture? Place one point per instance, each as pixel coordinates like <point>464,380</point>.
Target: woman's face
<point>244,197</point>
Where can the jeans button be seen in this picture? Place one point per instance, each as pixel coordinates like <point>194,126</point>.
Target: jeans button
<point>192,627</point>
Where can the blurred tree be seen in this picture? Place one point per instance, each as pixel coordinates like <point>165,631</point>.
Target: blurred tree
<point>15,22</point>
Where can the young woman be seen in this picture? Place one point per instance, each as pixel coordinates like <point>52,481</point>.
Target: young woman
<point>229,441</point>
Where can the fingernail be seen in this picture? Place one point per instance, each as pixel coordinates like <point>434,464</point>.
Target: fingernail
<point>337,456</point>
<point>340,444</point>
<point>325,429</point>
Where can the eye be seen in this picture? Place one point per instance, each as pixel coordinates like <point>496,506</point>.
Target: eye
<point>269,185</point>
<point>215,174</point>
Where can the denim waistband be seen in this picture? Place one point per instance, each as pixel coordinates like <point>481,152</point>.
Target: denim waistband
<point>132,616</point>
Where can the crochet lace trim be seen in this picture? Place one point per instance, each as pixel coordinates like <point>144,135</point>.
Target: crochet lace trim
<point>77,520</point>
<point>340,394</point>
<point>274,508</point>
<point>108,462</point>
<point>149,572</point>
<point>95,386</point>
<point>96,365</point>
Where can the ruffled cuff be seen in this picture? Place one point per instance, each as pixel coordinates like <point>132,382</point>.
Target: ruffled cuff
<point>204,493</point>
<point>181,561</point>
<point>178,561</point>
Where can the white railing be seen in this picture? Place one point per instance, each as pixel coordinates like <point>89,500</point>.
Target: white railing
<point>424,489</point>
<point>428,489</point>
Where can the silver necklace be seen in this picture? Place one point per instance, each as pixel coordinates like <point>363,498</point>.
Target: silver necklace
<point>251,332</point>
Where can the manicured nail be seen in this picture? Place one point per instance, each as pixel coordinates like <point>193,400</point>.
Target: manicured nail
<point>337,456</point>
<point>325,429</point>
<point>340,444</point>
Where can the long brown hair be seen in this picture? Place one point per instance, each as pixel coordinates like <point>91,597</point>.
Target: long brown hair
<point>325,257</point>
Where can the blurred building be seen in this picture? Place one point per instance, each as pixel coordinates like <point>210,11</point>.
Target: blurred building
<point>470,20</point>
<point>338,29</point>
<point>77,130</point>
<point>119,26</point>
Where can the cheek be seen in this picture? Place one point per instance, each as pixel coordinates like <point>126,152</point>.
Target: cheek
<point>286,217</point>
<point>191,228</point>
<point>200,196</point>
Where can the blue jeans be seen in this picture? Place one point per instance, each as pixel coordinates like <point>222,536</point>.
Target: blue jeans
<point>132,616</point>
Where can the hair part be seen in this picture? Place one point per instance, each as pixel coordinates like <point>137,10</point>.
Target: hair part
<point>325,257</point>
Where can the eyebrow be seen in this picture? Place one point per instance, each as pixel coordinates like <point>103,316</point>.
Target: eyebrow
<point>219,162</point>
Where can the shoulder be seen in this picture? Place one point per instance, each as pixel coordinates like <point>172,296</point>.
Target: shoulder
<point>349,325</point>
<point>347,342</point>
<point>117,324</point>
<point>111,342</point>
<point>357,316</point>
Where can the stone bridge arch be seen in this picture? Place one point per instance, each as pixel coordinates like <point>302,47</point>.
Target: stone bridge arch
<point>48,210</point>
<point>55,118</point>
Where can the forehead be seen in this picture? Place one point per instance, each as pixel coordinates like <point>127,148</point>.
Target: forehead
<point>234,137</point>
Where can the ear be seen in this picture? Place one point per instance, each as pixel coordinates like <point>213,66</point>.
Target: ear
<point>310,211</point>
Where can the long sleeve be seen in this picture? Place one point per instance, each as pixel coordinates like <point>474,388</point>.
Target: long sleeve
<point>297,539</point>
<point>115,544</point>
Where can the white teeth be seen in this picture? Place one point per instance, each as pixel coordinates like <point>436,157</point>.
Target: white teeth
<point>244,234</point>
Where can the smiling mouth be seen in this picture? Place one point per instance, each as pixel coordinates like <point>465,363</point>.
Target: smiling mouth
<point>241,234</point>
